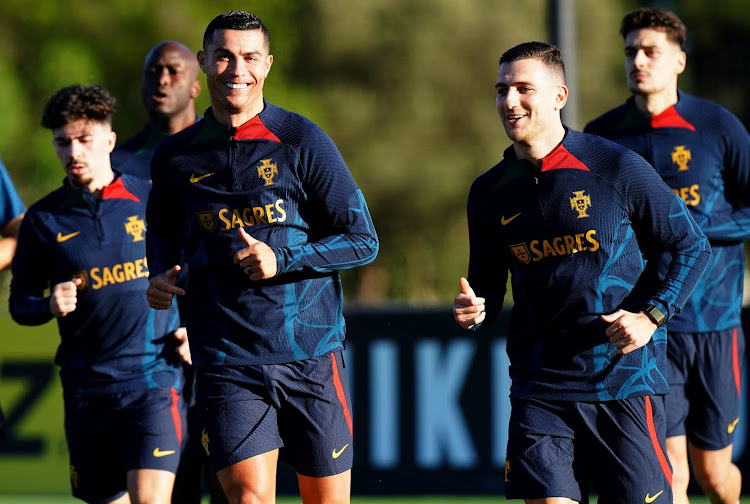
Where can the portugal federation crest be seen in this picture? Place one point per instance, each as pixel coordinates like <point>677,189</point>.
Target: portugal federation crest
<point>206,220</point>
<point>135,227</point>
<point>580,203</point>
<point>267,171</point>
<point>681,156</point>
<point>521,251</point>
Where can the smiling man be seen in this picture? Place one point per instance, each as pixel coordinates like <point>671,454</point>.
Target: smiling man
<point>702,152</point>
<point>567,215</point>
<point>85,243</point>
<point>260,205</point>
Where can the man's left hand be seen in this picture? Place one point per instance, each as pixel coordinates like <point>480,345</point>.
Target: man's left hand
<point>629,331</point>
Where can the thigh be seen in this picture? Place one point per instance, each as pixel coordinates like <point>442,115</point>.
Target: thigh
<point>238,419</point>
<point>542,459</point>
<point>715,389</point>
<point>629,461</point>
<point>681,354</point>
<point>315,415</point>
<point>334,489</point>
<point>150,485</point>
<point>153,429</point>
<point>252,479</point>
<point>94,436</point>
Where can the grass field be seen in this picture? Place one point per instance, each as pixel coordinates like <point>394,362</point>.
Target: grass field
<point>428,499</point>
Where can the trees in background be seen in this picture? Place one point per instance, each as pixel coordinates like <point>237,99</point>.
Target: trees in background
<point>406,89</point>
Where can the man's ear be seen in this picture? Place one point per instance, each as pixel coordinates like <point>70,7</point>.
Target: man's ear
<point>201,56</point>
<point>681,62</point>
<point>561,98</point>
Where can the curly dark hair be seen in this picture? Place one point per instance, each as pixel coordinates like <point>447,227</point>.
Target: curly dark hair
<point>659,19</point>
<point>75,102</point>
<point>235,20</point>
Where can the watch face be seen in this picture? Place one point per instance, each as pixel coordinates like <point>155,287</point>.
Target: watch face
<point>656,315</point>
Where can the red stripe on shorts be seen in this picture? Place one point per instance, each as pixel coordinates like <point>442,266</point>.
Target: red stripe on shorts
<point>340,393</point>
<point>736,362</point>
<point>655,441</point>
<point>176,414</point>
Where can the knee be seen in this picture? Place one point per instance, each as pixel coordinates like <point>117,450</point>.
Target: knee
<point>680,471</point>
<point>244,495</point>
<point>680,476</point>
<point>712,477</point>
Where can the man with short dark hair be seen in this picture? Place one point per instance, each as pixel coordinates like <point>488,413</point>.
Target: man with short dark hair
<point>121,378</point>
<point>571,216</point>
<point>260,205</point>
<point>702,152</point>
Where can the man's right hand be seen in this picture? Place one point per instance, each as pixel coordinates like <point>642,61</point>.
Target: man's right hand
<point>468,309</point>
<point>64,297</point>
<point>162,289</point>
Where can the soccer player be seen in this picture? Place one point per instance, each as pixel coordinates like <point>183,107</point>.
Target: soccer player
<point>11,214</point>
<point>702,152</point>
<point>169,86</point>
<point>273,214</point>
<point>85,242</point>
<point>571,216</point>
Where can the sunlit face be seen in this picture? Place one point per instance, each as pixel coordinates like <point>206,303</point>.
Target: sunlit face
<point>236,64</point>
<point>652,62</point>
<point>170,80</point>
<point>83,147</point>
<point>529,98</point>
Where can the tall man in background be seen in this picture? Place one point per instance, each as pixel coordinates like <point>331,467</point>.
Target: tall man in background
<point>120,374</point>
<point>273,215</point>
<point>702,152</point>
<point>169,86</point>
<point>567,214</point>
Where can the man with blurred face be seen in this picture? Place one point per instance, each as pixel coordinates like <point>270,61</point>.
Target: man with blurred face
<point>169,87</point>
<point>11,214</point>
<point>566,213</point>
<point>702,152</point>
<point>120,375</point>
<point>272,215</point>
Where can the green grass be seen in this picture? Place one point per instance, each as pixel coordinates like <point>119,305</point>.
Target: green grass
<point>436,499</point>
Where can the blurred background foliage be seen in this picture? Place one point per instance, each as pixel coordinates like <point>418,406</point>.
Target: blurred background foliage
<point>405,89</point>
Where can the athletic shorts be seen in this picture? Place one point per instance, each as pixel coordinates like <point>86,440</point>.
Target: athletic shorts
<point>302,408</point>
<point>557,448</point>
<point>109,435</point>
<point>704,386</point>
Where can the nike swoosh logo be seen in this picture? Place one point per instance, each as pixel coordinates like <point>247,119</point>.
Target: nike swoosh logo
<point>732,425</point>
<point>194,179</point>
<point>337,454</point>
<point>158,453</point>
<point>650,499</point>
<point>505,221</point>
<point>61,237</point>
